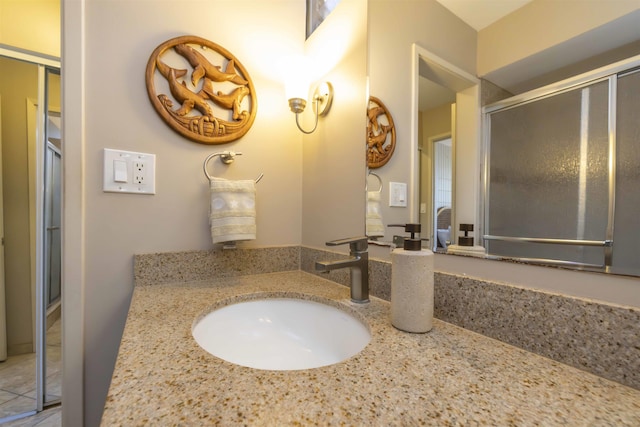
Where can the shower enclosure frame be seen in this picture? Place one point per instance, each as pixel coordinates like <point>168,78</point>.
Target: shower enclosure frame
<point>610,74</point>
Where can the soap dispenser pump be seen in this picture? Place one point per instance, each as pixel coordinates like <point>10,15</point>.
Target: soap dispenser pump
<point>412,284</point>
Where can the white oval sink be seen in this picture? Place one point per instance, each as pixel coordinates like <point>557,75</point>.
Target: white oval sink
<point>281,334</point>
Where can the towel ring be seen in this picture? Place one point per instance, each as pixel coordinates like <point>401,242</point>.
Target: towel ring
<point>379,181</point>
<point>227,157</point>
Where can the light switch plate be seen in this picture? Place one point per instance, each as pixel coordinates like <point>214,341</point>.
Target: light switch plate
<point>398,194</point>
<point>140,176</point>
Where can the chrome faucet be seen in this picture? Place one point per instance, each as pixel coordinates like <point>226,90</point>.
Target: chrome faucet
<point>358,263</point>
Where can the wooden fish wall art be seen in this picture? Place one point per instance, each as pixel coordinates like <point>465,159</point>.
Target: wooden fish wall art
<point>201,90</point>
<point>381,134</point>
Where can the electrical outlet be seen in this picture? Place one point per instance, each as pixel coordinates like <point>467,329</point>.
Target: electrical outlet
<point>139,173</point>
<point>129,172</point>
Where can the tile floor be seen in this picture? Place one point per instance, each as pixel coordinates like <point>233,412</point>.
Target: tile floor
<point>17,384</point>
<point>48,418</point>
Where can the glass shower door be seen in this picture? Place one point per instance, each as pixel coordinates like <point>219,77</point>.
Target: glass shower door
<point>549,178</point>
<point>562,176</point>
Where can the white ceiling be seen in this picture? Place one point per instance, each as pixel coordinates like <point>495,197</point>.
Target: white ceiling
<point>482,13</point>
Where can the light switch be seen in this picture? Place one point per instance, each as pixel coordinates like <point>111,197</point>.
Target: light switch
<point>129,172</point>
<point>119,171</point>
<point>398,194</point>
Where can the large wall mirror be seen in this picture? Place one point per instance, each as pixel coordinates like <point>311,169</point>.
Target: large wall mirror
<point>440,149</point>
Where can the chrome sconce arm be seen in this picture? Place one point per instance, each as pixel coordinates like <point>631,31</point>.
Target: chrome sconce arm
<point>322,98</point>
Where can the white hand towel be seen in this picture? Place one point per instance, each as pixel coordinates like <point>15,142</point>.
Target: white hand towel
<point>374,225</point>
<point>233,210</point>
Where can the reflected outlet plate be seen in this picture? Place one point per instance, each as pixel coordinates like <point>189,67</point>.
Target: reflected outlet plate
<point>398,194</point>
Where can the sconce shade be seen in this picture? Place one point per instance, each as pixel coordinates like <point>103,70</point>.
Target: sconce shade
<point>297,105</point>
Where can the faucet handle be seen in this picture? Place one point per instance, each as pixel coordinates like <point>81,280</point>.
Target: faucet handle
<point>356,244</point>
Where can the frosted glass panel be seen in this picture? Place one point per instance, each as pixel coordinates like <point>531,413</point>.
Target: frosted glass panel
<point>548,175</point>
<point>626,239</point>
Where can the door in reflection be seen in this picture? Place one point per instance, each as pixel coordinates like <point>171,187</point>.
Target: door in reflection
<point>31,163</point>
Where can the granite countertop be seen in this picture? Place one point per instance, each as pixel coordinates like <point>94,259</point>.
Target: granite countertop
<point>449,376</point>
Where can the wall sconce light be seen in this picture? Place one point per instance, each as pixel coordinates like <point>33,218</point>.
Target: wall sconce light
<point>322,97</point>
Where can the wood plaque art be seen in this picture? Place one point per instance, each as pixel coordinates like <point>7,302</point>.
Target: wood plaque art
<point>201,90</point>
<point>381,134</point>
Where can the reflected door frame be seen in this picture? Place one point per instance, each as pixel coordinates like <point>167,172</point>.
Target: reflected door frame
<point>466,137</point>
<point>427,185</point>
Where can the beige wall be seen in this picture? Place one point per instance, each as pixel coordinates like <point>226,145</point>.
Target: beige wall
<point>435,29</point>
<point>18,83</point>
<point>542,24</point>
<point>28,24</point>
<point>466,187</point>
<point>545,35</point>
<point>334,155</point>
<point>433,122</point>
<point>74,278</point>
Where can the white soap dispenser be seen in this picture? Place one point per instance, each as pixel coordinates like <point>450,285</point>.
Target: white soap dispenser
<point>412,284</point>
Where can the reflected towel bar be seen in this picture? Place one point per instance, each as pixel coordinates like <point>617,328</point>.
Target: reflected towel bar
<point>546,261</point>
<point>597,243</point>
<point>604,243</point>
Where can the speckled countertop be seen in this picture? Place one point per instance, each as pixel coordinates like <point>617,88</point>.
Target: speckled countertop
<point>449,376</point>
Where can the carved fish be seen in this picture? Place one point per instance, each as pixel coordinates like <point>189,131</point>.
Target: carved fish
<point>229,101</point>
<point>379,139</point>
<point>202,67</point>
<point>181,93</point>
<point>373,113</point>
<point>164,70</point>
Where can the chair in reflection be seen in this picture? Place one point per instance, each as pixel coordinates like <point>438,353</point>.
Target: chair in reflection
<point>443,230</point>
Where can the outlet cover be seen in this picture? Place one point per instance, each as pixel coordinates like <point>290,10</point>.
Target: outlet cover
<point>129,172</point>
<point>398,194</point>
